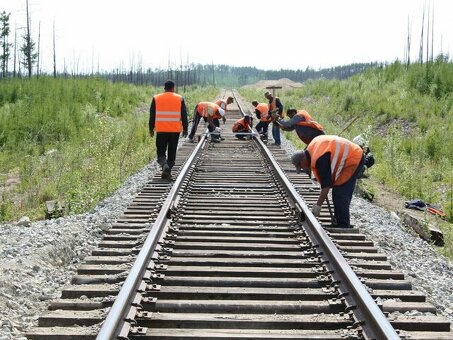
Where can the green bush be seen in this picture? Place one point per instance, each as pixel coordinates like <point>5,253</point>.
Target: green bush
<point>74,140</point>
<point>411,115</point>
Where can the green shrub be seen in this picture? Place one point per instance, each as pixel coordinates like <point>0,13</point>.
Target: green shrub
<point>74,139</point>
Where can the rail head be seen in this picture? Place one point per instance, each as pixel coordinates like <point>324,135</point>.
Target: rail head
<point>366,312</point>
<point>116,317</point>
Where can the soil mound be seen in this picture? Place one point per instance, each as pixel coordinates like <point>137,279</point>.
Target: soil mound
<point>285,83</point>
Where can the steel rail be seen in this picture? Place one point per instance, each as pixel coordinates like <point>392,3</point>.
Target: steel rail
<point>120,308</point>
<point>366,312</point>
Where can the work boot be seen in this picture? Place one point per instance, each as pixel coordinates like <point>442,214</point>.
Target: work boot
<point>166,172</point>
<point>215,138</point>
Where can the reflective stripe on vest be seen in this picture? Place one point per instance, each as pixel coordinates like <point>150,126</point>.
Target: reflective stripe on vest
<point>345,156</point>
<point>308,121</point>
<point>208,109</point>
<point>168,112</point>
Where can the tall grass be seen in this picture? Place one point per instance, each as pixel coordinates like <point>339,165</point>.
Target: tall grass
<point>410,113</point>
<point>72,139</point>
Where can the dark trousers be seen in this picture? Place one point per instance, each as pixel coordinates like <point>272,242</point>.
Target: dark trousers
<point>342,196</point>
<point>276,134</point>
<point>240,129</point>
<point>261,127</point>
<point>196,121</point>
<point>166,145</point>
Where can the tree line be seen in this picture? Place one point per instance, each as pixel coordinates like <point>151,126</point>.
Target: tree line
<point>20,57</point>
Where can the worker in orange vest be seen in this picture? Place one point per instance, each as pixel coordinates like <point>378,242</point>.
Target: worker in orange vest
<point>243,125</point>
<point>275,105</point>
<point>335,163</point>
<point>208,111</point>
<point>306,128</point>
<point>168,117</point>
<point>262,113</point>
<point>223,103</point>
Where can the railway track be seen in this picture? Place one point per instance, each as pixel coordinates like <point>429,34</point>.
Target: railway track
<point>229,250</point>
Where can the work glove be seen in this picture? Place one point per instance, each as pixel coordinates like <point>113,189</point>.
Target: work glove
<point>224,119</point>
<point>184,133</point>
<point>217,130</point>
<point>151,133</point>
<point>316,210</point>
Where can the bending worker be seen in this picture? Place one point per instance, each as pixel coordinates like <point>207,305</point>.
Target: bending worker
<point>208,111</point>
<point>262,113</point>
<point>168,116</point>
<point>335,162</point>
<point>243,125</point>
<point>223,104</point>
<point>275,105</point>
<point>306,128</point>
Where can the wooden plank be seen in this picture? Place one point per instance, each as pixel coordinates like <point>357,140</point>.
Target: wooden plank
<point>67,318</point>
<point>225,281</point>
<point>247,306</point>
<point>239,271</point>
<point>247,321</point>
<point>242,293</point>
<point>268,334</point>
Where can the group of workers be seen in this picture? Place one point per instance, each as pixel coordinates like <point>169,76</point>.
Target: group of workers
<point>335,162</point>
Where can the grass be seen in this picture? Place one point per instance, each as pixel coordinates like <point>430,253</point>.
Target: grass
<point>407,116</point>
<point>74,140</point>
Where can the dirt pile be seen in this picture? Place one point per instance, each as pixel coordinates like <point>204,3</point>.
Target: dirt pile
<point>285,83</point>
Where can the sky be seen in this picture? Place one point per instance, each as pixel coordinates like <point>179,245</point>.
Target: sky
<point>291,34</point>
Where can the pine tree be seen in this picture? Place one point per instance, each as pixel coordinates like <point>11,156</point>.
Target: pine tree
<point>4,45</point>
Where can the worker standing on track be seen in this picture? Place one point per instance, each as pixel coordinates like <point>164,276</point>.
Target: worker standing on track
<point>208,111</point>
<point>243,125</point>
<point>335,163</point>
<point>306,128</point>
<point>275,105</point>
<point>262,113</point>
<point>223,103</point>
<point>168,117</point>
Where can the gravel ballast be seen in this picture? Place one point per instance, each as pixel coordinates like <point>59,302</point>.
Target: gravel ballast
<point>39,259</point>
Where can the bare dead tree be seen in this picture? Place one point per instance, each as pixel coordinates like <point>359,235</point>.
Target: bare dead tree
<point>420,56</point>
<point>427,36</point>
<point>408,45</point>
<point>432,36</point>
<point>28,38</point>
<point>15,51</point>
<point>54,53</point>
<point>39,52</point>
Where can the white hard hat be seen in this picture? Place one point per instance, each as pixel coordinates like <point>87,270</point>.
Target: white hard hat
<point>359,140</point>
<point>221,111</point>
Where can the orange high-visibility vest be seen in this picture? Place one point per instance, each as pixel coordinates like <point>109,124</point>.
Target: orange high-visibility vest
<point>240,122</point>
<point>263,108</point>
<point>345,156</point>
<point>168,112</point>
<point>308,121</point>
<point>222,103</point>
<point>208,109</point>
